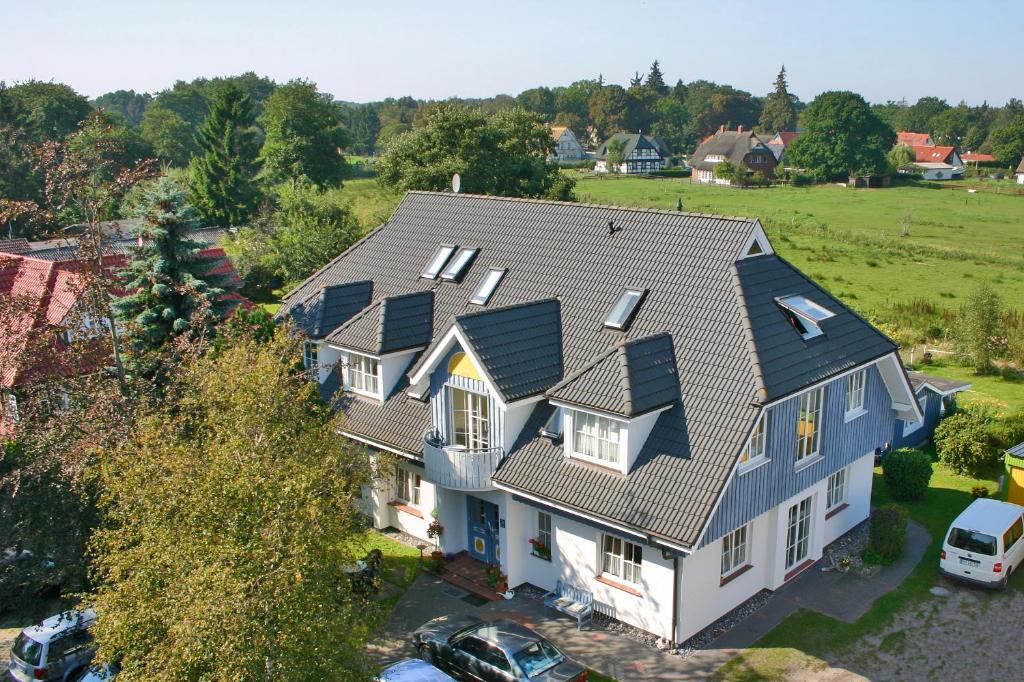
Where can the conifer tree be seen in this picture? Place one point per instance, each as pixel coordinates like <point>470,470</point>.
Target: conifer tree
<point>779,114</point>
<point>170,283</point>
<point>223,174</point>
<point>656,80</point>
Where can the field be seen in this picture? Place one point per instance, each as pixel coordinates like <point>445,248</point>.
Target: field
<point>852,241</point>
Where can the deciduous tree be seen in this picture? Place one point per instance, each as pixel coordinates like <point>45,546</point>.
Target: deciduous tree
<point>609,110</point>
<point>1007,141</point>
<point>304,135</point>
<point>978,327</point>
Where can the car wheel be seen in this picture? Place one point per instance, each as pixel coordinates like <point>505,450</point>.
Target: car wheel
<point>427,654</point>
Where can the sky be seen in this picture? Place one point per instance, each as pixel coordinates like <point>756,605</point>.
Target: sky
<point>433,49</point>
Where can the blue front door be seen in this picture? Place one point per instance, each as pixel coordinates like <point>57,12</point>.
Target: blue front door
<point>482,522</point>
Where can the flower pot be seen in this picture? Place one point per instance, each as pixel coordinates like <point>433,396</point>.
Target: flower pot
<point>437,555</point>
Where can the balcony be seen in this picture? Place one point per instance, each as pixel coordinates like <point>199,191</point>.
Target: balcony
<point>459,468</point>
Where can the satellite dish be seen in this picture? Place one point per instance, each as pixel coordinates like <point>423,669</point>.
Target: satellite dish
<point>456,183</point>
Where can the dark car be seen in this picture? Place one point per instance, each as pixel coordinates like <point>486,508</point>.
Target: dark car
<point>496,651</point>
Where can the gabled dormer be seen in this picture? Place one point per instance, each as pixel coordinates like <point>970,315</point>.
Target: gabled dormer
<point>320,313</point>
<point>610,405</point>
<point>374,348</point>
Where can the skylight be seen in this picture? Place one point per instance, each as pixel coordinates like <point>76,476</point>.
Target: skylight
<point>458,264</point>
<point>488,283</point>
<point>804,314</point>
<point>441,257</point>
<point>625,307</point>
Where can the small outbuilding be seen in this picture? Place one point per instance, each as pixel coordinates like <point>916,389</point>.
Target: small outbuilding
<point>1020,173</point>
<point>1013,481</point>
<point>936,397</point>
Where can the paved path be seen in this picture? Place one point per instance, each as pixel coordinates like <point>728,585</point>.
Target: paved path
<point>839,595</point>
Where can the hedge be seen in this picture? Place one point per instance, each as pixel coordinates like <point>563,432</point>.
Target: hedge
<point>906,473</point>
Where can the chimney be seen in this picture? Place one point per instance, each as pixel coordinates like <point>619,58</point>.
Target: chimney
<point>739,129</point>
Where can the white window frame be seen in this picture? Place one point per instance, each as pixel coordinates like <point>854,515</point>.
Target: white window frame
<point>756,449</point>
<point>910,427</point>
<point>735,551</point>
<point>798,532</point>
<point>9,406</point>
<point>358,376</point>
<point>835,494</point>
<point>311,356</point>
<point>408,486</point>
<point>856,391</point>
<point>580,417</point>
<point>544,530</point>
<point>621,560</point>
<point>811,403</point>
<point>478,414</point>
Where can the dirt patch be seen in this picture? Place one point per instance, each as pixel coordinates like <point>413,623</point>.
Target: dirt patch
<point>7,637</point>
<point>963,635</point>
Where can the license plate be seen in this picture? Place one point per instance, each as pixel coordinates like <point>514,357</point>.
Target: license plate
<point>968,562</point>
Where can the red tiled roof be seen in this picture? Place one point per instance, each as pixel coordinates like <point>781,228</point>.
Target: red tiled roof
<point>913,139</point>
<point>975,156</point>
<point>932,154</point>
<point>787,136</point>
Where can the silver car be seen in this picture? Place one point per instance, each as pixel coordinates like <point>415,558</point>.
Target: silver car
<point>56,650</point>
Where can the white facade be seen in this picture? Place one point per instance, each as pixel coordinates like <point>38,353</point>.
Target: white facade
<point>567,147</point>
<point>1020,178</point>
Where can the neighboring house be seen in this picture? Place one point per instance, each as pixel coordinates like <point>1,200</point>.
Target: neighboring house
<point>1013,462</point>
<point>1020,173</point>
<point>977,158</point>
<point>914,139</point>
<point>779,143</point>
<point>936,396</point>
<point>640,153</point>
<point>44,276</point>
<point>740,147</point>
<point>677,415</point>
<point>938,163</point>
<point>567,147</point>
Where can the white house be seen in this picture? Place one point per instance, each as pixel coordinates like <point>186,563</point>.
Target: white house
<point>567,147</point>
<point>639,154</point>
<point>938,162</point>
<point>649,405</point>
<point>1020,173</point>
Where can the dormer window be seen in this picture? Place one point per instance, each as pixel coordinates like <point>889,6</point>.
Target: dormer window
<point>804,314</point>
<point>440,257</point>
<point>454,270</point>
<point>754,452</point>
<point>363,375</point>
<point>624,309</point>
<point>597,438</point>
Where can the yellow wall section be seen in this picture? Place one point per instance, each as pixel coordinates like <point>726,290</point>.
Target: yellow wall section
<point>1016,491</point>
<point>461,365</point>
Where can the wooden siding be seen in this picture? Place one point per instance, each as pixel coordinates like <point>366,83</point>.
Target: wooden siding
<point>751,494</point>
<point>931,420</point>
<point>439,410</point>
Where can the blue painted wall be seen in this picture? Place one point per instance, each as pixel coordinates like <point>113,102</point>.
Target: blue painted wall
<point>749,495</point>
<point>439,409</point>
<point>932,414</point>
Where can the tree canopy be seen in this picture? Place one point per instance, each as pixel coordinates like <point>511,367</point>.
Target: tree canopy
<point>842,136</point>
<point>502,154</point>
<point>779,112</point>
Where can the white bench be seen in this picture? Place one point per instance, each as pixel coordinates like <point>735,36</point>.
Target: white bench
<point>572,601</point>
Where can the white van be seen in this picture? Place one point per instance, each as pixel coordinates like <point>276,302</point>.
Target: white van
<point>984,544</point>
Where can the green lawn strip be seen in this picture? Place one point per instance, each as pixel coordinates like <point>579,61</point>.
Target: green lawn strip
<point>401,562</point>
<point>594,676</point>
<point>810,634</point>
<point>1003,392</point>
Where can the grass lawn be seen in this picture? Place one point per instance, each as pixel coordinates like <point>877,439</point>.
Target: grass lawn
<point>849,240</point>
<point>1004,393</point>
<point>804,640</point>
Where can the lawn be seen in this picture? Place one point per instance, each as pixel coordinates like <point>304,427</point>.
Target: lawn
<point>806,640</point>
<point>850,240</point>
<point>1004,393</point>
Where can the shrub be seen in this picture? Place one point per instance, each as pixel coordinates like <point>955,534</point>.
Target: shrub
<point>885,537</point>
<point>1008,431</point>
<point>906,473</point>
<point>963,444</point>
<point>980,491</point>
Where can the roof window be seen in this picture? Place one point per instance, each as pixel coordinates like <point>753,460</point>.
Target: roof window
<point>625,307</point>
<point>454,270</point>
<point>804,314</point>
<point>488,283</point>
<point>441,257</point>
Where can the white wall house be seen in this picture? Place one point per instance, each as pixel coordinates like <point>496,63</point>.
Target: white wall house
<point>640,154</point>
<point>626,463</point>
<point>567,147</point>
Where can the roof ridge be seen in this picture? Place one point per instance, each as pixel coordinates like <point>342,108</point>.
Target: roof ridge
<point>615,207</point>
<point>590,364</point>
<point>358,316</point>
<point>624,378</point>
<point>511,306</point>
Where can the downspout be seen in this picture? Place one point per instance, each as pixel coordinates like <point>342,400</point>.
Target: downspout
<point>675,597</point>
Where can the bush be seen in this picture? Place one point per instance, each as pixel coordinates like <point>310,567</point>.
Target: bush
<point>888,526</point>
<point>803,180</point>
<point>906,473</point>
<point>980,491</point>
<point>962,441</point>
<point>1008,431</point>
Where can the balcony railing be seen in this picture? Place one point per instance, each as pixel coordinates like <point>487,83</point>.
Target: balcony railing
<point>459,468</point>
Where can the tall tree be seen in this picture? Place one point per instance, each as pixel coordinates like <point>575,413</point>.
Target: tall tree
<point>609,110</point>
<point>538,100</point>
<point>842,136</point>
<point>977,328</point>
<point>304,135</point>
<point>779,113</point>
<point>229,516</point>
<point>51,110</point>
<point>169,135</point>
<point>169,282</point>
<point>224,175</point>
<point>1007,141</point>
<point>127,104</point>
<point>656,80</point>
<point>920,116</point>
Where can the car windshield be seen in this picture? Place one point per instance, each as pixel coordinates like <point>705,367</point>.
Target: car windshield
<point>537,657</point>
<point>972,541</point>
<point>27,649</point>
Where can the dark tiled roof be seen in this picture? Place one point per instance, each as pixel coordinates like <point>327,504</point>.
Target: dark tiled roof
<point>786,362</point>
<point>519,345</point>
<point>389,325</point>
<point>630,142</point>
<point>941,384</point>
<point>564,251</point>
<point>731,144</point>
<point>325,309</point>
<point>629,379</point>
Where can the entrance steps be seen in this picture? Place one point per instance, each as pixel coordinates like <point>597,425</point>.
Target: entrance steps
<point>467,573</point>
